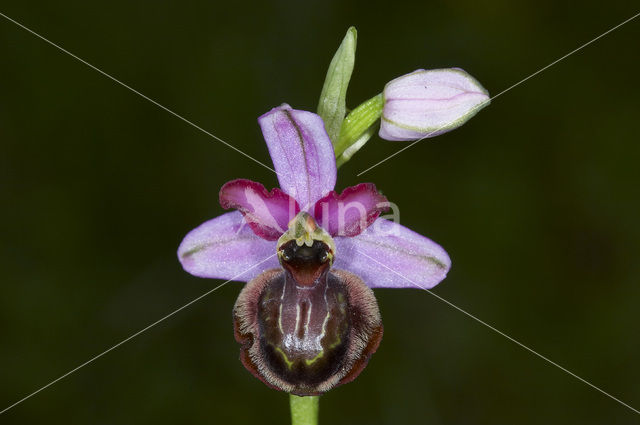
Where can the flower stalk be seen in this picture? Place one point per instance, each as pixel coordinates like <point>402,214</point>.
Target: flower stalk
<point>357,128</point>
<point>304,410</point>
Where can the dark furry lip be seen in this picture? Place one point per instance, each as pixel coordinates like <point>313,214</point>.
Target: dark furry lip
<point>306,339</point>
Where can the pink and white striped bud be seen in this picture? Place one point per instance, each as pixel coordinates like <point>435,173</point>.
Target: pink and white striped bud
<point>426,103</point>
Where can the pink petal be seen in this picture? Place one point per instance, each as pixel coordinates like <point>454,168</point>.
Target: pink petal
<point>349,213</point>
<point>388,255</point>
<point>226,248</point>
<point>301,152</point>
<point>268,213</point>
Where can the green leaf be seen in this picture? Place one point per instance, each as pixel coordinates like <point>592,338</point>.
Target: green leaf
<point>332,104</point>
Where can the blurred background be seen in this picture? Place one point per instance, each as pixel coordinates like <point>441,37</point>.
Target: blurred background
<point>535,199</point>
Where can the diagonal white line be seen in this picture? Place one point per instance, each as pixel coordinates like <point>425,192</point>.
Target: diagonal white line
<point>109,76</point>
<point>503,334</point>
<point>132,336</point>
<point>483,104</point>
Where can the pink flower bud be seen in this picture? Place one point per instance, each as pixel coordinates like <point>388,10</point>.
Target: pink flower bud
<point>427,103</point>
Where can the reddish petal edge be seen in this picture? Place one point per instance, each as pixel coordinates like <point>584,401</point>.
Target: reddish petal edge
<point>336,213</point>
<point>267,213</point>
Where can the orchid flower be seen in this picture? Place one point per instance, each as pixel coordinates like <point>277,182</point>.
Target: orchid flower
<point>307,252</point>
<point>302,154</point>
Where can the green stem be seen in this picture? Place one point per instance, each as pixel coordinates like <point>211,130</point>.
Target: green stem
<point>356,145</point>
<point>356,127</point>
<point>304,410</point>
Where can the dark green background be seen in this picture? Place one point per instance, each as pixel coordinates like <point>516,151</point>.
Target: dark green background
<point>535,199</point>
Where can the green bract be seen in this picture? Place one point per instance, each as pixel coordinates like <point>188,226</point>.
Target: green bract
<point>332,104</point>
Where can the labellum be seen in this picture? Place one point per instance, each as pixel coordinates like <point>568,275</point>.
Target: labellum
<point>306,328</point>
